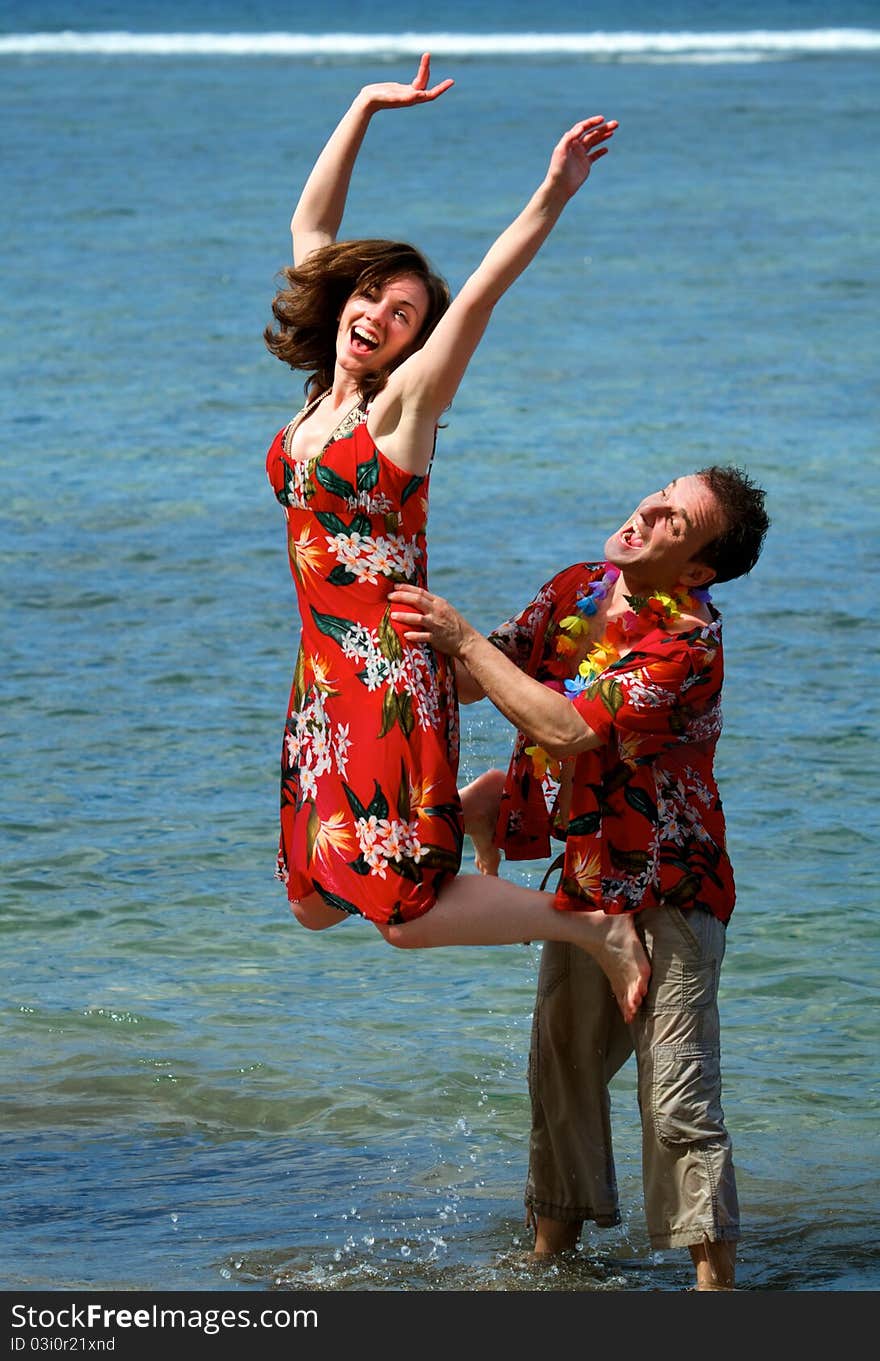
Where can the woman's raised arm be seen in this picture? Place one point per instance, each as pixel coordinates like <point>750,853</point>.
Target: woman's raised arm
<point>419,391</point>
<point>318,214</point>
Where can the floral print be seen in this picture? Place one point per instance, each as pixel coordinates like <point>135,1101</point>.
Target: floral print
<point>368,558</point>
<point>644,825</point>
<point>370,814</point>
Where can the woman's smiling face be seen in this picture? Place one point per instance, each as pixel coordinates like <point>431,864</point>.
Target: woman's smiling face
<point>377,328</point>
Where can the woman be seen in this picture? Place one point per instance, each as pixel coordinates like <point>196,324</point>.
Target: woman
<point>371,820</point>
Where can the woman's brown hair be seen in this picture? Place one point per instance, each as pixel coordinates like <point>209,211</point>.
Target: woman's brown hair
<point>306,309</point>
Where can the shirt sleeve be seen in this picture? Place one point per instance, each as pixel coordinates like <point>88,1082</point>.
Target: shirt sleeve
<point>651,706</point>
<point>527,638</point>
<point>517,636</point>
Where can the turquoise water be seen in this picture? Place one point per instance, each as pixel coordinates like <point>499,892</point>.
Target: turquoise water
<point>196,1094</point>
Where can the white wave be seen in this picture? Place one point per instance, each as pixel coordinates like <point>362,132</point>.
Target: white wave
<point>751,45</point>
<point>696,58</point>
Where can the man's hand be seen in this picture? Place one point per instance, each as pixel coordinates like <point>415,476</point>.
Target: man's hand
<point>550,719</point>
<point>391,94</point>
<point>430,619</point>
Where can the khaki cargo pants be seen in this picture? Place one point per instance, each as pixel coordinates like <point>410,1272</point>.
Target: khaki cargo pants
<point>580,1040</point>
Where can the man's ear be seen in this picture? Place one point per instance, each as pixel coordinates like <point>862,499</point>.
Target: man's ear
<point>697,573</point>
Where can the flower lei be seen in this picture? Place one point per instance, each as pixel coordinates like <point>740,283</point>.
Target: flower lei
<point>646,612</point>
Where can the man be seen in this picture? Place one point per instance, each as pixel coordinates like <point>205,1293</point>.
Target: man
<point>612,676</point>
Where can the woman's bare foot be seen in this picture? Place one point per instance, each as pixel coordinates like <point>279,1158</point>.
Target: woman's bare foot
<point>480,801</point>
<point>487,856</point>
<point>614,944</point>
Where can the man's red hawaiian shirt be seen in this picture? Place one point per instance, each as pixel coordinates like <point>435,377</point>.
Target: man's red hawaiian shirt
<point>645,824</point>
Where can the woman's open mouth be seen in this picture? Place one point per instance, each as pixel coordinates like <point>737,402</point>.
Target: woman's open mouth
<point>363,341</point>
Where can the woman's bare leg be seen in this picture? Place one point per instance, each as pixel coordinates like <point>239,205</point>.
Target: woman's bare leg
<point>480,801</point>
<point>477,910</point>
<point>313,913</point>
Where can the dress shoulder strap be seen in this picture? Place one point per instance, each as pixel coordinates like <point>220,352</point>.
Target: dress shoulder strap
<point>433,452</point>
<point>350,421</point>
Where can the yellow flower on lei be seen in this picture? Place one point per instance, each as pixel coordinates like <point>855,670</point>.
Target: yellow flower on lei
<point>571,629</point>
<point>669,604</point>
<point>600,657</point>
<point>574,625</point>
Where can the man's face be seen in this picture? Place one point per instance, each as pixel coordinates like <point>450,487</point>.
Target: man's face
<point>659,545</point>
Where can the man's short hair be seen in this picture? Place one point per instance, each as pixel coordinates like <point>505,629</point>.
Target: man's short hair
<point>737,548</point>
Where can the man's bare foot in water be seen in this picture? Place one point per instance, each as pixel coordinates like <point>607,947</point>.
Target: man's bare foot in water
<point>554,1236</point>
<point>614,944</point>
<point>480,801</point>
<point>715,1265</point>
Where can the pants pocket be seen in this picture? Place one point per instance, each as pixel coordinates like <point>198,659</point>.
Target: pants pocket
<point>686,1095</point>
<point>686,951</point>
<point>683,923</point>
<point>678,986</point>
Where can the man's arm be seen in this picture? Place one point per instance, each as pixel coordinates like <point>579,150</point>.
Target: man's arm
<point>469,690</point>
<point>548,717</point>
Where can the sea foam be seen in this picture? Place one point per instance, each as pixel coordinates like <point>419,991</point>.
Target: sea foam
<point>732,46</point>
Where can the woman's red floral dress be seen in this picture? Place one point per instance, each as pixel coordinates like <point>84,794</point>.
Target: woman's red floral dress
<point>370,813</point>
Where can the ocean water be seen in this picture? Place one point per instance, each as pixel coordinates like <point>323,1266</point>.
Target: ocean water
<point>196,1094</point>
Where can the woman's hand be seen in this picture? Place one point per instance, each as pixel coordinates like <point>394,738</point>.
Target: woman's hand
<point>576,153</point>
<point>318,214</point>
<point>392,95</point>
<point>429,619</point>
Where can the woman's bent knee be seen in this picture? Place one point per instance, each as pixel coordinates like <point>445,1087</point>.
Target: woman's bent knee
<point>401,936</point>
<point>314,914</point>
